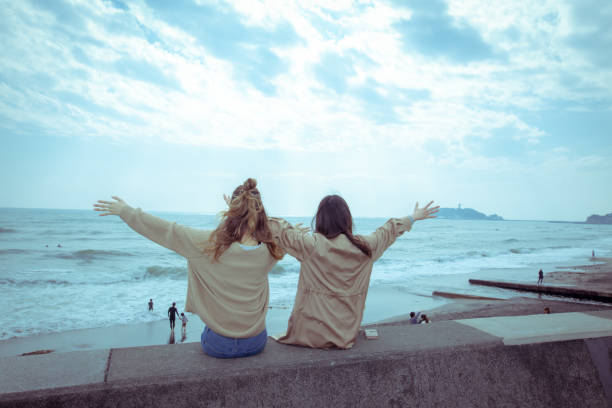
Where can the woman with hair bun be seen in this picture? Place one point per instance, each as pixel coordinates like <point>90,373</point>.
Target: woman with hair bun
<point>228,268</point>
<point>335,271</point>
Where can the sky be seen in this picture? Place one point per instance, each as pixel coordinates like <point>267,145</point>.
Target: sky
<point>504,107</point>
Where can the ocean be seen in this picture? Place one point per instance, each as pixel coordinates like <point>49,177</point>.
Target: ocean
<point>71,269</point>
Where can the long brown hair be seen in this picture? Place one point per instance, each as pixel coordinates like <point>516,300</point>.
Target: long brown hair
<point>246,215</point>
<point>334,218</point>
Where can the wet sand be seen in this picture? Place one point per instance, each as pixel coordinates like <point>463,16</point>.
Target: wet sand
<point>596,276</point>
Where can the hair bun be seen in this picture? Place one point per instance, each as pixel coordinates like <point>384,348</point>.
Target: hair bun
<point>249,184</point>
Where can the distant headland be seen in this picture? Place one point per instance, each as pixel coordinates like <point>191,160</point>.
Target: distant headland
<point>466,214</point>
<point>599,219</point>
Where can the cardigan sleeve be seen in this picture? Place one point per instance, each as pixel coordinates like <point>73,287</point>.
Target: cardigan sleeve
<point>183,240</point>
<point>293,241</point>
<point>384,236</point>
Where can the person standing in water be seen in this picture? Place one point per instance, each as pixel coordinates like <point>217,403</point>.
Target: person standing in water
<point>172,312</point>
<point>335,270</point>
<point>227,268</point>
<point>150,304</point>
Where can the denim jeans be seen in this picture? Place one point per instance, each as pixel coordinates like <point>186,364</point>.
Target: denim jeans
<point>219,346</point>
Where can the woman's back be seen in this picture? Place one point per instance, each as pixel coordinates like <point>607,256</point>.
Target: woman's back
<point>335,272</point>
<point>333,283</point>
<point>230,294</point>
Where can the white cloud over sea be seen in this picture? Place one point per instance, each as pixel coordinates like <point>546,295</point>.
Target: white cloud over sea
<point>503,106</point>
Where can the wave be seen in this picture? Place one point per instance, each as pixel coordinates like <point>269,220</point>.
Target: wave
<point>522,250</point>
<point>13,251</point>
<point>510,240</point>
<point>89,255</point>
<point>175,272</point>
<point>35,282</point>
<point>71,232</point>
<point>277,270</point>
<point>7,230</point>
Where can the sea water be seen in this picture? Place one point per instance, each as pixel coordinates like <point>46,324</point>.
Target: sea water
<point>71,269</point>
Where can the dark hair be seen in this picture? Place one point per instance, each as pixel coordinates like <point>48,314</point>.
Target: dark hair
<point>334,218</point>
<point>246,215</point>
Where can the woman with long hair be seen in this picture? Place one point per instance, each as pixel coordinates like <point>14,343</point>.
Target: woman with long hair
<point>228,267</point>
<point>335,271</point>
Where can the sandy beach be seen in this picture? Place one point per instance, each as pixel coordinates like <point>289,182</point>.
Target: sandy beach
<point>594,276</point>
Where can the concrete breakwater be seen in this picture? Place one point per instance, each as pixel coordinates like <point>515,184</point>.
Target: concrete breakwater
<point>471,362</point>
<point>576,293</point>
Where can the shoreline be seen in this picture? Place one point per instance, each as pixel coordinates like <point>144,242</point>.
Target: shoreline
<point>378,311</point>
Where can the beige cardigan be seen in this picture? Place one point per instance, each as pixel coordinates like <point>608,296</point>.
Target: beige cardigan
<point>230,295</point>
<point>333,283</point>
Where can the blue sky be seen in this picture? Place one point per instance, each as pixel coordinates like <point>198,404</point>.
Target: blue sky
<point>505,107</point>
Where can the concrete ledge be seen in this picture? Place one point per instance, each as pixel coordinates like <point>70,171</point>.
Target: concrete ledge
<point>545,328</point>
<point>441,364</point>
<point>549,290</point>
<point>52,370</point>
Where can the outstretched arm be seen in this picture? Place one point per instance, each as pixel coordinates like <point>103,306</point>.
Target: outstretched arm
<point>183,240</point>
<point>383,237</point>
<point>293,239</point>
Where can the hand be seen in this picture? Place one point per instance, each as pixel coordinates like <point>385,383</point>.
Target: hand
<point>425,212</point>
<point>110,207</point>
<point>227,199</point>
<point>300,227</point>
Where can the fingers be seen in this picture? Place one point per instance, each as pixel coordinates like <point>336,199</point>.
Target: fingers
<point>428,204</point>
<point>416,206</point>
<point>118,199</point>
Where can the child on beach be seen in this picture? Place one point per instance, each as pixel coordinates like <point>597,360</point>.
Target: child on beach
<point>424,319</point>
<point>335,269</point>
<point>184,319</point>
<point>414,318</point>
<point>227,268</point>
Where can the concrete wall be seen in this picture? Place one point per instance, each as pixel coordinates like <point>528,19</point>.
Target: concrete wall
<point>444,365</point>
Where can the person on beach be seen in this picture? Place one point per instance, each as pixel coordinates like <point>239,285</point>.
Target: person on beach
<point>335,271</point>
<point>150,304</point>
<point>184,321</point>
<point>414,317</point>
<point>227,278</point>
<point>540,277</point>
<point>172,312</point>
<point>424,319</point>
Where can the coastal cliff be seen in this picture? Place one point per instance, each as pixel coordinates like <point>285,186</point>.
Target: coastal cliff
<point>599,219</point>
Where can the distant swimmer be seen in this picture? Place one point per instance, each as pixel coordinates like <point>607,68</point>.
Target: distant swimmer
<point>150,304</point>
<point>540,277</point>
<point>593,253</point>
<point>172,312</point>
<point>59,245</point>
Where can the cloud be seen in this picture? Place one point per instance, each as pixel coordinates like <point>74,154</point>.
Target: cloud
<point>334,71</point>
<point>591,32</point>
<point>434,33</point>
<point>221,31</point>
<point>143,71</point>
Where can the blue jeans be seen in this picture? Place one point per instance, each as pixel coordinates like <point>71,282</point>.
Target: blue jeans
<point>219,346</point>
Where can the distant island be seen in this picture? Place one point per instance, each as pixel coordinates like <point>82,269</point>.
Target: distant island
<point>599,219</point>
<point>466,214</point>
